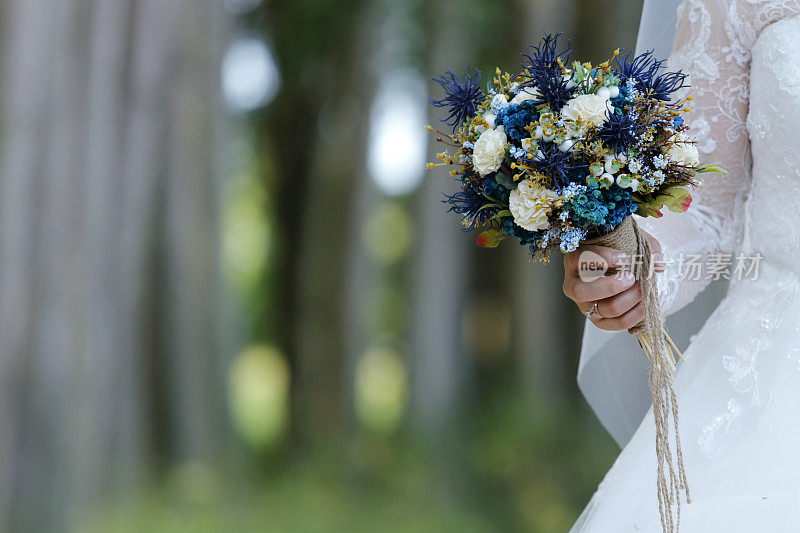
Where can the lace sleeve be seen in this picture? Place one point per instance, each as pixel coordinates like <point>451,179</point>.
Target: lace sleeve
<point>718,71</point>
<point>712,45</point>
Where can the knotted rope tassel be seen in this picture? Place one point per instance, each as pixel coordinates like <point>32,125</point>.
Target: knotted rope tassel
<point>658,346</point>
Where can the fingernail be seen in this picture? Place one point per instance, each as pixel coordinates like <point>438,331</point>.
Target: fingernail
<point>628,279</point>
<point>618,258</point>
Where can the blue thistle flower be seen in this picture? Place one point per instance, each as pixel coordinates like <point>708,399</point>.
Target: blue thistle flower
<point>619,132</point>
<point>462,96</point>
<point>559,166</point>
<point>543,61</point>
<point>541,69</point>
<point>644,70</point>
<point>469,203</point>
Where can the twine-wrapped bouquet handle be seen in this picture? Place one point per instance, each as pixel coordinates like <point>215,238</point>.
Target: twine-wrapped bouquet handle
<point>656,343</point>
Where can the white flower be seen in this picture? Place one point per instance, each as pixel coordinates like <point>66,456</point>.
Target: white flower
<point>528,144</point>
<point>683,151</point>
<point>611,91</point>
<point>528,93</point>
<point>490,148</point>
<point>530,204</point>
<point>588,109</point>
<point>566,145</point>
<point>612,165</point>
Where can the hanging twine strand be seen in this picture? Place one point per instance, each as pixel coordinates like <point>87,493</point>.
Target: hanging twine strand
<point>660,350</point>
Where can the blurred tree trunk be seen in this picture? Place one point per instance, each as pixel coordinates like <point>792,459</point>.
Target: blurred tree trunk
<point>619,31</point>
<point>441,363</point>
<point>108,243</point>
<point>313,138</point>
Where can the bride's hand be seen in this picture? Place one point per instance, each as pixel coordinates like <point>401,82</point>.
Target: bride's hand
<point>618,297</point>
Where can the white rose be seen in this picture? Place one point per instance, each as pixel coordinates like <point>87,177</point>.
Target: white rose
<point>530,204</point>
<point>528,93</point>
<point>489,150</point>
<point>683,151</point>
<point>589,109</point>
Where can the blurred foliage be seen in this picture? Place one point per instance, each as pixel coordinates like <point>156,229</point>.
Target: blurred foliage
<point>531,474</point>
<point>246,234</point>
<point>315,495</point>
<point>328,440</point>
<point>381,390</point>
<point>387,233</point>
<point>259,396</point>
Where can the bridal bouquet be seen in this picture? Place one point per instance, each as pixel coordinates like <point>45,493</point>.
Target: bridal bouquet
<point>563,153</point>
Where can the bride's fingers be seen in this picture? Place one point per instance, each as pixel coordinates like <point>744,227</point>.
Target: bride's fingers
<point>611,256</point>
<point>626,321</point>
<point>615,306</point>
<point>620,304</point>
<point>597,289</point>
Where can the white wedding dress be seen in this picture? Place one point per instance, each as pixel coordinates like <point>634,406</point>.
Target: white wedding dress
<point>739,388</point>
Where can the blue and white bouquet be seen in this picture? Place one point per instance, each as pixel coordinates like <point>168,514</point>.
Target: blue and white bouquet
<point>565,151</point>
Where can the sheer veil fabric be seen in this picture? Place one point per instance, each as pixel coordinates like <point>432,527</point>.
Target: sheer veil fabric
<point>739,388</point>
<point>612,373</point>
<point>657,27</point>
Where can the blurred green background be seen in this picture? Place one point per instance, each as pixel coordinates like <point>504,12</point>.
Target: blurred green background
<point>230,297</point>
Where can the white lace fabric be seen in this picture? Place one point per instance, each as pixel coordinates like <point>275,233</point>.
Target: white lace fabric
<point>713,46</point>
<point>739,390</point>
